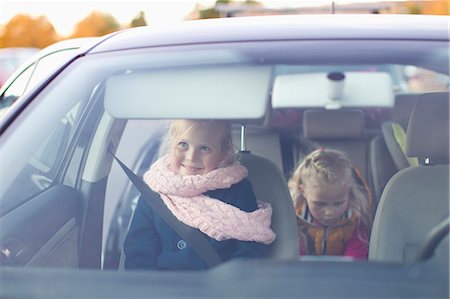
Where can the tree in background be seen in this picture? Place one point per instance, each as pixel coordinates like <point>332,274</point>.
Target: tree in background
<point>214,12</point>
<point>96,24</point>
<point>26,31</point>
<point>252,2</point>
<point>430,7</point>
<point>210,13</point>
<point>138,20</point>
<point>414,9</point>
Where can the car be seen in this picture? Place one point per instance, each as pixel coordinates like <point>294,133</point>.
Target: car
<point>35,65</point>
<point>286,84</point>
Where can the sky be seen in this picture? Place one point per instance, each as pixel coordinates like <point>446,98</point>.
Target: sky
<point>65,14</point>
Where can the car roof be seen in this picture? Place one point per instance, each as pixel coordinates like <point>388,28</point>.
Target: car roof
<point>314,27</point>
<point>80,42</point>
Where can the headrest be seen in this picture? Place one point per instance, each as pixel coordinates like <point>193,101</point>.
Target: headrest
<point>428,128</point>
<point>333,124</point>
<point>403,106</point>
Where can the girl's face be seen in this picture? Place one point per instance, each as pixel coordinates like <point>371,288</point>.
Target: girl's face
<point>197,150</point>
<point>327,202</point>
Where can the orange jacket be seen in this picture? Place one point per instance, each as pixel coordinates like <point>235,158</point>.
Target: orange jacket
<point>342,238</point>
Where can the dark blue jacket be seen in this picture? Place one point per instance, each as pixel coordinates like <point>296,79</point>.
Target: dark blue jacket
<point>152,244</point>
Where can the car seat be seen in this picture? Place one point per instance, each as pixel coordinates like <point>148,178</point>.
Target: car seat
<point>339,129</point>
<point>394,131</point>
<point>270,186</point>
<point>261,140</point>
<point>416,198</point>
<point>387,152</point>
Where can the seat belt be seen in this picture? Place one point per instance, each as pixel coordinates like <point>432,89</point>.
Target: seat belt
<point>192,236</point>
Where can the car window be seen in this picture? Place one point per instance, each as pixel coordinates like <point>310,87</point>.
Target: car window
<point>31,76</point>
<point>46,156</point>
<point>41,168</point>
<point>146,138</point>
<point>43,161</point>
<point>48,64</point>
<point>15,90</point>
<point>18,87</point>
<point>421,80</point>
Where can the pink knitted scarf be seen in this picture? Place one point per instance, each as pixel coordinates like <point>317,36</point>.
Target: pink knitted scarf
<point>221,221</point>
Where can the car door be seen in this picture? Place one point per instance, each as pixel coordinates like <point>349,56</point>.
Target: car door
<point>42,205</point>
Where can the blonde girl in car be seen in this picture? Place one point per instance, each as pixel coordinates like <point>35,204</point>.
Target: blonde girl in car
<point>333,210</point>
<point>204,186</point>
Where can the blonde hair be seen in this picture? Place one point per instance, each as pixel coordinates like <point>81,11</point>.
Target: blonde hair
<point>223,127</point>
<point>331,166</point>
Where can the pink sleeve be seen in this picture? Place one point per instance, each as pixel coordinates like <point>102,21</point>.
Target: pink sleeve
<point>358,246</point>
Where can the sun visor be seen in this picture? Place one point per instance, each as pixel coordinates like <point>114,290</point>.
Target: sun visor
<point>333,90</point>
<point>212,92</point>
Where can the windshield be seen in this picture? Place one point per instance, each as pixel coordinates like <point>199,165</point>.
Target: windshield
<point>281,102</point>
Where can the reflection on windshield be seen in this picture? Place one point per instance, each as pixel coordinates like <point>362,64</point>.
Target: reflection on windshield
<point>406,78</point>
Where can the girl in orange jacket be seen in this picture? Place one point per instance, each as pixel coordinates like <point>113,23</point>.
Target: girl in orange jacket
<point>333,210</point>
